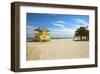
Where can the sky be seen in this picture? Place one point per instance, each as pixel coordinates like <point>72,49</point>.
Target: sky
<point>60,25</point>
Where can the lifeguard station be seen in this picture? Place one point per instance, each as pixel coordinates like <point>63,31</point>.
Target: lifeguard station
<point>42,34</point>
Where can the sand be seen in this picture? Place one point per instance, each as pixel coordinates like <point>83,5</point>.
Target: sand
<point>57,49</point>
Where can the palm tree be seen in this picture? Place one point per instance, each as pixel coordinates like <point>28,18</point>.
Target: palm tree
<point>82,32</point>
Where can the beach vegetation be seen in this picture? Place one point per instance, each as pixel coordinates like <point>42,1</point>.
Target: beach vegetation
<point>81,33</point>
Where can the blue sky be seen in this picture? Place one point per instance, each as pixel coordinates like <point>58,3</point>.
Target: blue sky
<point>60,25</point>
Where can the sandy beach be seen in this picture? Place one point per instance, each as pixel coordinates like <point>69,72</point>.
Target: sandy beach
<point>57,49</point>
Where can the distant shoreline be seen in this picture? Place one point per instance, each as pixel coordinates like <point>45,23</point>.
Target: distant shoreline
<point>31,39</point>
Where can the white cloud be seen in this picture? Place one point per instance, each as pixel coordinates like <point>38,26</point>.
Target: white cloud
<point>58,25</point>
<point>30,31</point>
<point>61,26</point>
<point>61,30</point>
<point>81,22</point>
<point>60,22</point>
<point>29,27</point>
<point>61,34</point>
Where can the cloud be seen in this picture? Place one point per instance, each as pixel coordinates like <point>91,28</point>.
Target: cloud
<point>81,22</point>
<point>58,25</point>
<point>30,31</point>
<point>66,31</point>
<point>61,30</point>
<point>60,22</point>
<point>56,34</point>
<point>61,26</point>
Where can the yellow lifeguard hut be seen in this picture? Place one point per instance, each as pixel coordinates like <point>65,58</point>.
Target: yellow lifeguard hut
<point>42,34</point>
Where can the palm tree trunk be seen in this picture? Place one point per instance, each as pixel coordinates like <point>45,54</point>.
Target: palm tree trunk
<point>81,38</point>
<point>86,38</point>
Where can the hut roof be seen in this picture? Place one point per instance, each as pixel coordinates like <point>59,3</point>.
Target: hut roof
<point>41,29</point>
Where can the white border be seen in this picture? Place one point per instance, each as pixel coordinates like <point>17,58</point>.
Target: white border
<point>62,62</point>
